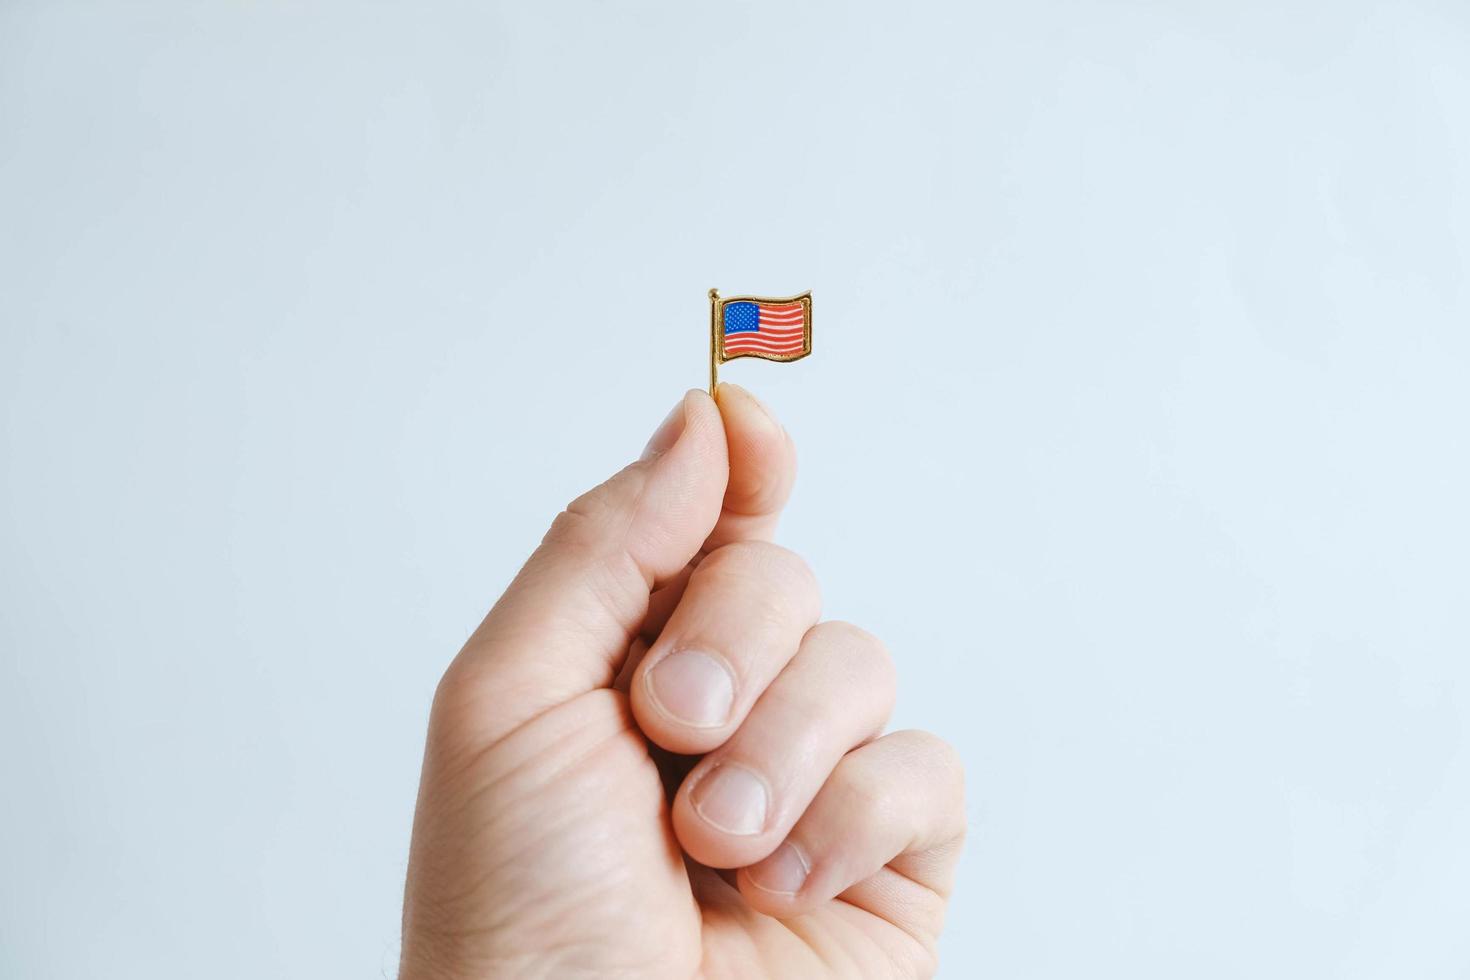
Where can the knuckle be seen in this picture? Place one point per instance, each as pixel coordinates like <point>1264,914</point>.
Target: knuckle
<point>929,746</point>
<point>866,789</point>
<point>456,716</point>
<point>854,641</point>
<point>863,654</point>
<point>932,754</point>
<point>781,570</point>
<point>842,633</point>
<point>579,525</point>
<point>745,556</point>
<point>586,521</point>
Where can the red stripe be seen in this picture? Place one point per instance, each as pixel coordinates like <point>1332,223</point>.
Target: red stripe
<point>794,338</point>
<point>766,348</point>
<point>779,331</point>
<point>782,321</point>
<point>781,306</point>
<point>757,351</point>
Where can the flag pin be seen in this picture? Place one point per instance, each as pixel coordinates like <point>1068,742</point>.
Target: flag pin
<point>757,326</point>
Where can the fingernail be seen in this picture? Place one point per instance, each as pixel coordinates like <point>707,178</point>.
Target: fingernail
<point>784,872</point>
<point>692,687</point>
<point>732,799</point>
<point>666,434</point>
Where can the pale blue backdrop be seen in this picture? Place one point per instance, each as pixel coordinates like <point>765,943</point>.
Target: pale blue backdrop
<point>1136,426</point>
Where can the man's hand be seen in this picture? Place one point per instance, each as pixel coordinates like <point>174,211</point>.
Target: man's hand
<point>651,760</point>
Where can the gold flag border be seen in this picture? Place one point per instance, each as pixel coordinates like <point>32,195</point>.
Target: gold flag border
<point>717,330</point>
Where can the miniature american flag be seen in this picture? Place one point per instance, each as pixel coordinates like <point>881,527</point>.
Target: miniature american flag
<point>777,330</point>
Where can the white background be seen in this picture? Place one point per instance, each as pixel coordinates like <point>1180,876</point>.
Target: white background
<point>1136,426</point>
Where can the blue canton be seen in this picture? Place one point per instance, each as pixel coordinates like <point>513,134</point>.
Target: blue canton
<point>742,318</point>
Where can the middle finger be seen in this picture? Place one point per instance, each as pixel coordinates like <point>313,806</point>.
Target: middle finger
<point>739,622</point>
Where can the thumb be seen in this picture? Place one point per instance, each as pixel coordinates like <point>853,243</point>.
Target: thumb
<point>565,624</point>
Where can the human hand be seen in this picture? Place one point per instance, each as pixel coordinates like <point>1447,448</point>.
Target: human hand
<point>650,760</point>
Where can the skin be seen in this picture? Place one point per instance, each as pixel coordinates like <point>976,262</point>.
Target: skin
<point>653,760</point>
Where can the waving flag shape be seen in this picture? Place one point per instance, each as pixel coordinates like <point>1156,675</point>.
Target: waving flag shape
<point>774,329</point>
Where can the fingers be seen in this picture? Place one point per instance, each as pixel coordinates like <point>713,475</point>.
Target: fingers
<point>896,802</point>
<point>740,621</point>
<point>762,469</point>
<point>566,621</point>
<point>742,799</point>
<point>762,461</point>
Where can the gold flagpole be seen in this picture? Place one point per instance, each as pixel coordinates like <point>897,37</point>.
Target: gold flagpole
<point>714,363</point>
